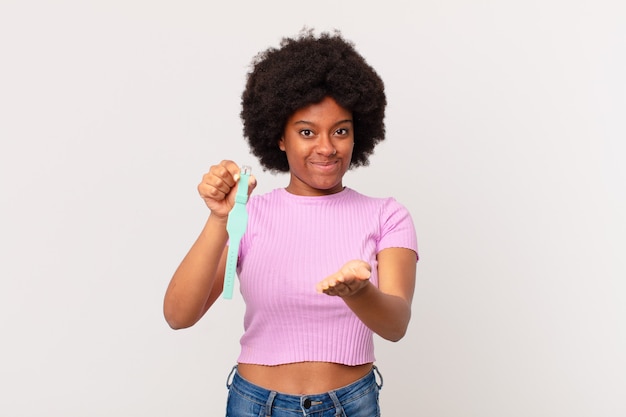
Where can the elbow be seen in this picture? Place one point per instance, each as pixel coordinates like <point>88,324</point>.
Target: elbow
<point>172,321</point>
<point>175,325</point>
<point>395,335</point>
<point>175,319</point>
<point>392,333</point>
<point>397,331</point>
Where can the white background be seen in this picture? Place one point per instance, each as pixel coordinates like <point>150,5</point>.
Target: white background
<point>505,140</point>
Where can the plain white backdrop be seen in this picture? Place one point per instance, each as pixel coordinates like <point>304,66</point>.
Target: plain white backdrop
<point>505,139</point>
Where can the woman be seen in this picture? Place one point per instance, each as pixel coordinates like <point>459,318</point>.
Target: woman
<point>321,267</point>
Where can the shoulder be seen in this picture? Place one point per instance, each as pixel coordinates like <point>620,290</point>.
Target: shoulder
<point>383,205</point>
<point>268,198</point>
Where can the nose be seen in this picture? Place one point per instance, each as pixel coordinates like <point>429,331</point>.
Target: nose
<point>325,146</point>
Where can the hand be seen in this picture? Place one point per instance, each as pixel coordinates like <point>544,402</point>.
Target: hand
<point>350,279</point>
<point>219,187</point>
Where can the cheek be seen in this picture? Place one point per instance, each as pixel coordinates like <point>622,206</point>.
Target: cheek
<point>349,147</point>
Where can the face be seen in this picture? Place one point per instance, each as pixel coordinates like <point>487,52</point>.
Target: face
<point>318,140</point>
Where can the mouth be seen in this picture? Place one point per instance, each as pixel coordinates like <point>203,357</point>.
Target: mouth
<point>325,165</point>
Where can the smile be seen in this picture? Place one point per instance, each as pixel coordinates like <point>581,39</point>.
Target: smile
<point>325,165</point>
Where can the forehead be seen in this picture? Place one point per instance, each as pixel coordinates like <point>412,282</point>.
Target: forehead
<point>327,110</point>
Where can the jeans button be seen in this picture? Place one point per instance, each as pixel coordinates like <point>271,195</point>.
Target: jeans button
<point>307,403</point>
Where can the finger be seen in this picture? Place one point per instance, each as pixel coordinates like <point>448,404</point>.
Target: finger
<point>363,271</point>
<point>227,171</point>
<point>357,268</point>
<point>251,184</point>
<point>207,191</point>
<point>339,289</point>
<point>345,289</point>
<point>213,187</point>
<point>222,177</point>
<point>326,284</point>
<point>322,286</point>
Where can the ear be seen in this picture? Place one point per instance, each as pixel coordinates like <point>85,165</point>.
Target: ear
<point>281,143</point>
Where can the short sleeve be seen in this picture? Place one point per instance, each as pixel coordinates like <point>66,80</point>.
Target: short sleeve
<point>396,227</point>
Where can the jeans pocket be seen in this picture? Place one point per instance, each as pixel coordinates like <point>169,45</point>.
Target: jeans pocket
<point>239,406</point>
<point>364,406</point>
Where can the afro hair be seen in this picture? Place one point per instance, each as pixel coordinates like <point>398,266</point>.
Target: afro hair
<point>302,71</point>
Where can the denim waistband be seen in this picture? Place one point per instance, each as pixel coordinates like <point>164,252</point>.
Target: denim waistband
<point>313,402</point>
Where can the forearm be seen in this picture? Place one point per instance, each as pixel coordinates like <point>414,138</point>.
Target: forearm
<point>386,315</point>
<point>196,281</point>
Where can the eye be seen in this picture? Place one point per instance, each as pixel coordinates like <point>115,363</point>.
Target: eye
<point>342,131</point>
<point>307,133</point>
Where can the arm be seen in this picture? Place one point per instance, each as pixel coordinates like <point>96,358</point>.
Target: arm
<point>386,309</point>
<point>199,279</point>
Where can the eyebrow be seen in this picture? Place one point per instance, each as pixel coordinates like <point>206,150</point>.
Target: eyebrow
<point>306,122</point>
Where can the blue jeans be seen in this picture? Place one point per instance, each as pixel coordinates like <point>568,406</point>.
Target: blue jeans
<point>359,399</point>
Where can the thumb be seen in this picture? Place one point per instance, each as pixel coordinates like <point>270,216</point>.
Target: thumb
<point>362,272</point>
<point>359,269</point>
<point>251,184</point>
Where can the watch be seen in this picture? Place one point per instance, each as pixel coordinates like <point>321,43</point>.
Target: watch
<point>236,227</point>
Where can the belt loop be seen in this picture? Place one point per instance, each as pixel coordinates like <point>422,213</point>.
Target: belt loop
<point>380,386</point>
<point>338,408</point>
<point>268,404</point>
<point>229,381</point>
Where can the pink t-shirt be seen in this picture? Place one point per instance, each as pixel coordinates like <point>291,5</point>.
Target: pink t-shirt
<point>293,242</point>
